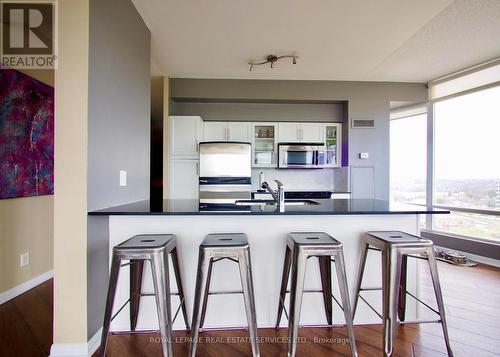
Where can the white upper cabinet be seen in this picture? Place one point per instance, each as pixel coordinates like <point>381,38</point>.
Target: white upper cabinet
<point>227,131</point>
<point>301,132</point>
<point>185,135</point>
<point>311,132</point>
<point>289,132</point>
<point>333,144</point>
<point>239,131</point>
<point>264,144</point>
<point>215,131</point>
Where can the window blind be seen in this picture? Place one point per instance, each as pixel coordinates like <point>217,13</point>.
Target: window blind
<point>474,78</point>
<point>408,111</point>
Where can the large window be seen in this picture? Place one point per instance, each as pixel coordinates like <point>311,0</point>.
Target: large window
<point>467,163</point>
<point>408,159</point>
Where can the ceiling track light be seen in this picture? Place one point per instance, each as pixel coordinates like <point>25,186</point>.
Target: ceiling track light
<point>272,59</point>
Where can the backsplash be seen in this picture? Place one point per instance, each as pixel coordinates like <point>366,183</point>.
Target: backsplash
<point>297,179</point>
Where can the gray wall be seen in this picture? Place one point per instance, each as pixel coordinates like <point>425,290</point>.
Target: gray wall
<point>97,271</point>
<point>366,100</point>
<point>118,129</point>
<point>319,112</point>
<point>119,104</point>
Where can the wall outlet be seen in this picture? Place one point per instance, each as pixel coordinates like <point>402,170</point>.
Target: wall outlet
<point>364,155</point>
<point>123,178</point>
<point>25,259</point>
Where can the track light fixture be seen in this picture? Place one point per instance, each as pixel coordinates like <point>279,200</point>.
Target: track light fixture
<point>271,59</point>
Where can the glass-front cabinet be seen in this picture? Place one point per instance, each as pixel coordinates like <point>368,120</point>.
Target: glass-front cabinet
<point>333,145</point>
<point>265,145</point>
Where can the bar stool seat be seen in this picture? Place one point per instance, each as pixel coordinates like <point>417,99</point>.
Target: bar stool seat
<point>225,240</point>
<point>380,239</point>
<point>396,247</point>
<point>300,247</point>
<point>216,247</point>
<point>155,248</point>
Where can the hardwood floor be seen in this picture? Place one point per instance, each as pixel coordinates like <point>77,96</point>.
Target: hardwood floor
<point>26,323</point>
<point>472,298</point>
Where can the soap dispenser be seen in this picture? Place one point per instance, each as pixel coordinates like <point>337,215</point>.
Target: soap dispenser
<point>261,181</point>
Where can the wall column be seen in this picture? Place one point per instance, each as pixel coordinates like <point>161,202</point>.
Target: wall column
<point>70,198</point>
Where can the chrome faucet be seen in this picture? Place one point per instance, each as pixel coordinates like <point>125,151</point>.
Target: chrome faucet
<point>278,195</point>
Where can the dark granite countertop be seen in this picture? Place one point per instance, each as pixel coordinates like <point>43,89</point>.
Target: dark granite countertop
<point>325,207</point>
<point>306,191</point>
<point>304,194</point>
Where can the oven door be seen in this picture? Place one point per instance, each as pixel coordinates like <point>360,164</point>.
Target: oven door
<point>301,156</point>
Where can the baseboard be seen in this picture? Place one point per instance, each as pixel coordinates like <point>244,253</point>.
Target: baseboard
<point>22,288</point>
<point>94,342</point>
<point>77,349</point>
<point>69,350</point>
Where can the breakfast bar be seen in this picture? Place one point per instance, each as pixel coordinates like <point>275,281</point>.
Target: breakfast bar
<point>346,220</point>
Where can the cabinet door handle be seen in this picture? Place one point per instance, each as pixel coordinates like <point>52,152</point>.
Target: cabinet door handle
<point>228,135</point>
<point>197,169</point>
<point>197,145</point>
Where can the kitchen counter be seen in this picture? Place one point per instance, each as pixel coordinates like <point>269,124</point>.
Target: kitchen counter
<point>324,207</point>
<point>346,220</point>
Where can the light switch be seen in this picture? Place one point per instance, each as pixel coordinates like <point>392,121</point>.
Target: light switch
<point>364,155</point>
<point>123,178</point>
<point>24,259</point>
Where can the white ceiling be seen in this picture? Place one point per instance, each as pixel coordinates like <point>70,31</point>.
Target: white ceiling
<point>374,40</point>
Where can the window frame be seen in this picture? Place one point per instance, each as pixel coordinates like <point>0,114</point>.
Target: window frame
<point>410,112</point>
<point>417,109</point>
<point>431,171</point>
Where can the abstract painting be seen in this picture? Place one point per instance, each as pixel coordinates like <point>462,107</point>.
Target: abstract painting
<point>26,136</point>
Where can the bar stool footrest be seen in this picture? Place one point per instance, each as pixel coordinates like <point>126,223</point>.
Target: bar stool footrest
<point>150,294</point>
<point>407,292</point>
<point>407,322</point>
<point>228,292</point>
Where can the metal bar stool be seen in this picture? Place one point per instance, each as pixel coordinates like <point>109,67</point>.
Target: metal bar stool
<point>215,247</point>
<point>155,248</point>
<point>300,247</point>
<point>396,247</point>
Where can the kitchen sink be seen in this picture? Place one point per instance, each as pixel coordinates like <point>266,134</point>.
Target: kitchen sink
<point>272,202</point>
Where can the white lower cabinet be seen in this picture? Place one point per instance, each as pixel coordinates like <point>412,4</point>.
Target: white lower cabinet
<point>184,175</point>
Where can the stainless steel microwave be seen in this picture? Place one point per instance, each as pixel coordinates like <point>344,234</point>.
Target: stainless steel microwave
<point>301,155</point>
